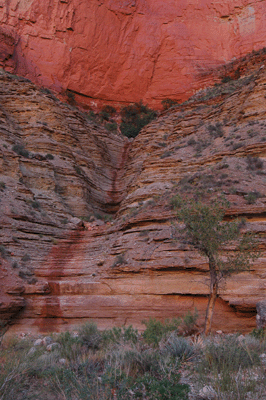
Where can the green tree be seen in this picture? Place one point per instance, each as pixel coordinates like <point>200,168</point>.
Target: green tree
<point>207,231</point>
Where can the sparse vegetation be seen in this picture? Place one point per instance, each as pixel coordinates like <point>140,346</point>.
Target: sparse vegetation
<point>3,251</point>
<point>120,363</point>
<point>216,130</point>
<point>168,103</point>
<point>35,204</point>
<point>254,163</point>
<point>120,259</point>
<point>208,233</point>
<point>251,197</point>
<point>134,118</point>
<point>20,150</point>
<point>111,126</point>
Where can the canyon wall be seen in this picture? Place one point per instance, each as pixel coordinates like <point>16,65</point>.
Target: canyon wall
<point>61,176</point>
<point>128,50</point>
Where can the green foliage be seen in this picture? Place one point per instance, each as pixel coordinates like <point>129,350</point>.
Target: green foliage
<point>20,150</point>
<point>2,186</point>
<point>168,103</point>
<point>49,156</point>
<point>254,163</point>
<point>25,258</point>
<point>78,170</point>
<point>216,130</point>
<point>117,334</point>
<point>90,336</point>
<point>155,330</point>
<point>188,325</point>
<point>251,197</point>
<point>3,251</point>
<point>180,348</point>
<point>206,231</point>
<point>111,126</point>
<point>259,333</point>
<point>165,388</point>
<point>134,118</point>
<point>226,366</point>
<point>125,367</point>
<point>228,354</point>
<point>109,110</point>
<point>119,260</point>
<point>35,204</point>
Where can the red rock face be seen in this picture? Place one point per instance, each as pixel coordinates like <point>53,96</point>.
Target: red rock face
<point>129,50</point>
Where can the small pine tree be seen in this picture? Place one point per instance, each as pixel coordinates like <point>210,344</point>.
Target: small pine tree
<point>207,231</point>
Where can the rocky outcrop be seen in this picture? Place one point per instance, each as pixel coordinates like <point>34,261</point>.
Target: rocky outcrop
<point>261,314</point>
<point>127,51</point>
<point>57,168</point>
<point>132,268</point>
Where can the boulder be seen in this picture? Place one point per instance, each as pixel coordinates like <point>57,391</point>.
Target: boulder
<point>261,314</point>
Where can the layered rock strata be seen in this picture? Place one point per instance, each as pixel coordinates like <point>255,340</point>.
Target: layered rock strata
<point>127,51</point>
<point>133,268</point>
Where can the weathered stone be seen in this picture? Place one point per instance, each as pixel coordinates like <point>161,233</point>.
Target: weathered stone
<point>134,268</point>
<point>38,342</point>
<point>52,346</point>
<point>261,314</point>
<point>155,49</point>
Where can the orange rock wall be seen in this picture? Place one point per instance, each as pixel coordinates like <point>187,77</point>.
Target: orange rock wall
<point>127,50</point>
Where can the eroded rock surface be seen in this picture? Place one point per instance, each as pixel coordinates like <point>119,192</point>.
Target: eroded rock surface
<point>127,51</point>
<point>132,268</point>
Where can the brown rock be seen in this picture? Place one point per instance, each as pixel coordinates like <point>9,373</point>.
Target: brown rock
<point>134,268</point>
<point>261,314</point>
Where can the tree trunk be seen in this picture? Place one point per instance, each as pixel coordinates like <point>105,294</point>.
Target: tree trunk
<point>212,296</point>
<point>210,309</point>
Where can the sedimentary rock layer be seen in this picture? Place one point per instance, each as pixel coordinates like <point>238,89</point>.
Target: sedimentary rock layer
<point>134,267</point>
<point>127,51</point>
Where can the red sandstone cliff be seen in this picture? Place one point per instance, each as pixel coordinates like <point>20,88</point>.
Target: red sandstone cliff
<point>127,50</point>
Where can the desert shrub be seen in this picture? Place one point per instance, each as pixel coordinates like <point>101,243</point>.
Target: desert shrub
<point>104,116</point>
<point>168,103</point>
<point>20,150</point>
<point>90,336</point>
<point>229,354</point>
<point>226,79</point>
<point>2,186</point>
<point>191,142</point>
<point>216,130</point>
<point>259,333</point>
<point>49,156</point>
<point>164,388</point>
<point>25,258</point>
<point>111,126</point>
<point>117,334</point>
<point>237,146</point>
<point>119,260</point>
<point>71,97</point>
<point>3,251</point>
<point>251,197</point>
<point>155,330</point>
<point>78,170</point>
<point>35,204</point>
<point>179,347</point>
<point>254,163</point>
<point>134,118</point>
<point>109,110</point>
<point>70,346</point>
<point>188,325</point>
<point>166,154</point>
